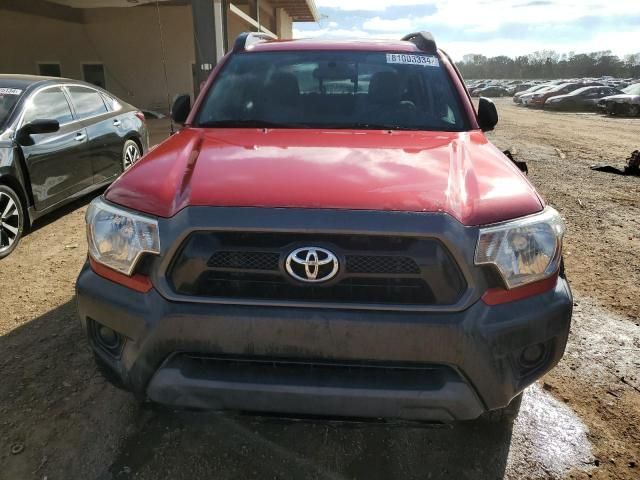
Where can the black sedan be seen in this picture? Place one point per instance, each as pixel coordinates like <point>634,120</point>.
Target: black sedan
<point>491,91</point>
<point>582,99</point>
<point>59,139</point>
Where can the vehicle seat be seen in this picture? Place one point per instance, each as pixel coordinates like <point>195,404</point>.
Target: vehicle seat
<point>385,100</point>
<point>282,96</point>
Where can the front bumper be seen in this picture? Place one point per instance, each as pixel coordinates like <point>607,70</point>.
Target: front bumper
<point>339,362</point>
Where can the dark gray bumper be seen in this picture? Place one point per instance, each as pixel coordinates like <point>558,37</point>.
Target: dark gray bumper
<point>475,351</point>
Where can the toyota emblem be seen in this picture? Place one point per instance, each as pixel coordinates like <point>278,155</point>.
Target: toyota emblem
<point>312,264</point>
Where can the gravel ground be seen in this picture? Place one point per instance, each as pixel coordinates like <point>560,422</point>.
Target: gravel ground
<point>60,420</point>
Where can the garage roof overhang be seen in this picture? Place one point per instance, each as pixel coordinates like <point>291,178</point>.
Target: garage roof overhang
<point>298,10</point>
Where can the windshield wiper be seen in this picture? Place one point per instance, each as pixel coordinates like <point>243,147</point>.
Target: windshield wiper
<point>247,124</point>
<point>368,126</point>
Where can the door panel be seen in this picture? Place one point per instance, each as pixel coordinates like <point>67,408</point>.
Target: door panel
<point>104,130</point>
<point>58,163</point>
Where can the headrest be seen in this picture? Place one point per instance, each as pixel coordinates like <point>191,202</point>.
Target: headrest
<point>385,88</point>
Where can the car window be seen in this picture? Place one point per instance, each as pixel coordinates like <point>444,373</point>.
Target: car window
<point>343,89</point>
<point>9,97</point>
<point>48,104</point>
<point>112,104</point>
<point>87,102</point>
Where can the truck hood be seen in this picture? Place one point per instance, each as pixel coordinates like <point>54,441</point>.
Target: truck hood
<point>461,174</point>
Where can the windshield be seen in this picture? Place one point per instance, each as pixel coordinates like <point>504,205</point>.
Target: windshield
<point>344,89</point>
<point>582,90</point>
<point>8,98</point>
<point>633,89</point>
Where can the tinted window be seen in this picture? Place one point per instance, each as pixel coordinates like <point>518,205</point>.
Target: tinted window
<point>49,104</point>
<point>86,102</point>
<point>111,103</point>
<point>333,90</point>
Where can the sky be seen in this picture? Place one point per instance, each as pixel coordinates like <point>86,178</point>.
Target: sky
<point>488,27</point>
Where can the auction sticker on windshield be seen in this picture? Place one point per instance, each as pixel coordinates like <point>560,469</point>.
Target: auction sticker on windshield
<point>407,59</point>
<point>10,91</point>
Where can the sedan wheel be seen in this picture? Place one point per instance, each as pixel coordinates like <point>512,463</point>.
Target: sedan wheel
<point>130,154</point>
<point>634,110</point>
<point>11,220</point>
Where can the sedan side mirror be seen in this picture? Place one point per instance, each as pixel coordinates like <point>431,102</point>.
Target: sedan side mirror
<point>181,108</point>
<point>36,127</point>
<point>487,114</point>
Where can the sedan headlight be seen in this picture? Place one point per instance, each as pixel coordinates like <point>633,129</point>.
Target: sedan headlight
<point>117,237</point>
<point>525,250</point>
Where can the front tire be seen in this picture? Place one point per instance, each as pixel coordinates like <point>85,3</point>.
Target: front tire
<point>634,110</point>
<point>130,154</point>
<point>11,220</point>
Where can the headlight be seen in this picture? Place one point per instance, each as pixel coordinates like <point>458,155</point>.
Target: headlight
<point>525,250</point>
<point>117,238</point>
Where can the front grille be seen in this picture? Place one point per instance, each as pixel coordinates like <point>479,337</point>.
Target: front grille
<point>374,269</point>
<point>336,374</point>
<point>381,264</point>
<point>244,260</point>
<point>239,260</point>
<point>349,290</point>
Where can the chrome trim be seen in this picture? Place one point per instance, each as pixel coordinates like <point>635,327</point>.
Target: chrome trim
<point>62,87</point>
<point>312,263</point>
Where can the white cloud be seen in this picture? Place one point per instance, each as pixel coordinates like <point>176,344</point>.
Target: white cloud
<point>333,33</point>
<point>378,24</point>
<point>489,16</point>
<point>536,17</point>
<point>365,5</point>
<point>618,42</point>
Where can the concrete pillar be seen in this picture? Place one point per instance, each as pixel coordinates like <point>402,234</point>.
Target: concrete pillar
<point>284,25</point>
<point>208,36</point>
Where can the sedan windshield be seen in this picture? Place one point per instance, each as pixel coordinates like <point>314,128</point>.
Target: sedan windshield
<point>343,90</point>
<point>8,98</point>
<point>632,89</point>
<point>583,90</point>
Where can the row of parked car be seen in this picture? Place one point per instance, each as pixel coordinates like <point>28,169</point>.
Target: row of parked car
<point>613,96</point>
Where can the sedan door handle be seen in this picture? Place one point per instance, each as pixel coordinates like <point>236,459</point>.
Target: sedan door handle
<point>116,123</point>
<point>80,137</point>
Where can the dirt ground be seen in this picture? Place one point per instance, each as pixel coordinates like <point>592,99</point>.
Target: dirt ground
<point>60,420</point>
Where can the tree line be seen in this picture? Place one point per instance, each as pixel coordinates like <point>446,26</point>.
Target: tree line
<point>551,65</point>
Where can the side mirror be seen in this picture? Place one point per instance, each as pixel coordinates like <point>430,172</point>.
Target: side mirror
<point>36,127</point>
<point>487,114</point>
<point>181,108</point>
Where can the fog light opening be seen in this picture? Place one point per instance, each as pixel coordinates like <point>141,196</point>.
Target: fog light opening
<point>108,337</point>
<point>532,355</point>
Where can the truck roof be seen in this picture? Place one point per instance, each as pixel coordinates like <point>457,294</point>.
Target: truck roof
<point>318,44</point>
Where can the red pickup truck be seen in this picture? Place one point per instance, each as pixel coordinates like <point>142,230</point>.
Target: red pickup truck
<point>330,233</point>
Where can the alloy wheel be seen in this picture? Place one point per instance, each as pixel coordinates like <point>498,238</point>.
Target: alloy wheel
<point>131,154</point>
<point>9,222</point>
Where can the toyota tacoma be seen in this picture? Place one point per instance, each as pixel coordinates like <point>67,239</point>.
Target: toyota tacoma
<point>329,233</point>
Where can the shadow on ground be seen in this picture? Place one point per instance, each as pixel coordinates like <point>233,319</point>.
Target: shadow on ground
<point>63,211</point>
<point>68,423</point>
<point>186,445</point>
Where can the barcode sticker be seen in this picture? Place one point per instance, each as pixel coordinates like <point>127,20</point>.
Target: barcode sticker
<point>408,59</point>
